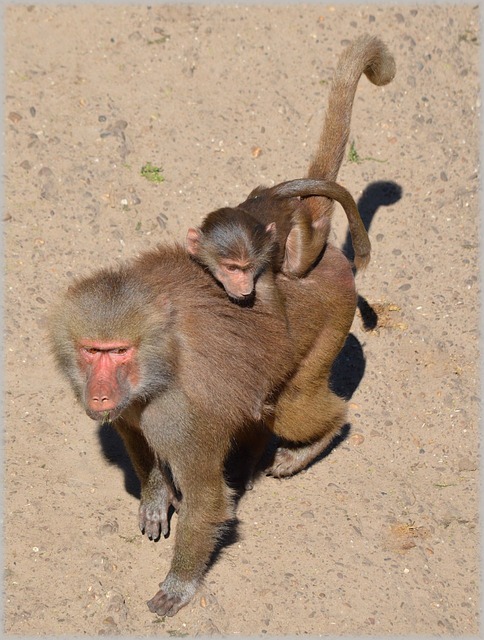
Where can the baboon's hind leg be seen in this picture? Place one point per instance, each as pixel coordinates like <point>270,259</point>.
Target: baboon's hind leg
<point>322,414</point>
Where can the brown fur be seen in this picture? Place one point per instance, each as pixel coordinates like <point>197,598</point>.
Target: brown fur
<point>271,230</point>
<point>154,347</point>
<point>366,54</point>
<point>287,226</point>
<point>197,368</point>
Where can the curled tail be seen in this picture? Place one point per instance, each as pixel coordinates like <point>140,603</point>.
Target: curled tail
<point>368,55</point>
<point>328,188</point>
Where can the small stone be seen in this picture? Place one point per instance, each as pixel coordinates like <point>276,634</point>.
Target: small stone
<point>34,139</point>
<point>45,172</point>
<point>357,439</point>
<point>135,199</point>
<point>208,628</point>
<point>120,124</point>
<point>465,464</point>
<point>307,514</point>
<point>108,528</point>
<point>99,560</point>
<point>14,117</point>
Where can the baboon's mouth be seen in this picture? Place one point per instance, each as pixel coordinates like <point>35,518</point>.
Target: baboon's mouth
<point>104,417</point>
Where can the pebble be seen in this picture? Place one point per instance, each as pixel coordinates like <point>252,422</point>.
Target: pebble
<point>99,560</point>
<point>307,514</point>
<point>45,172</point>
<point>135,199</point>
<point>14,117</point>
<point>207,599</point>
<point>117,602</point>
<point>34,139</point>
<point>162,220</point>
<point>465,464</point>
<point>120,125</point>
<point>108,528</point>
<point>110,629</point>
<point>208,628</point>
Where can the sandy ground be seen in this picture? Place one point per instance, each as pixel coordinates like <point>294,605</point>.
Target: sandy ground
<point>381,536</point>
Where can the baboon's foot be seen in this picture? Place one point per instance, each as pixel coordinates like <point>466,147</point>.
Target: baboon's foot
<point>290,459</point>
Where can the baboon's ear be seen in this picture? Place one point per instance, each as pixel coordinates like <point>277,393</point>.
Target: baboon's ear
<point>271,228</point>
<point>192,241</point>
